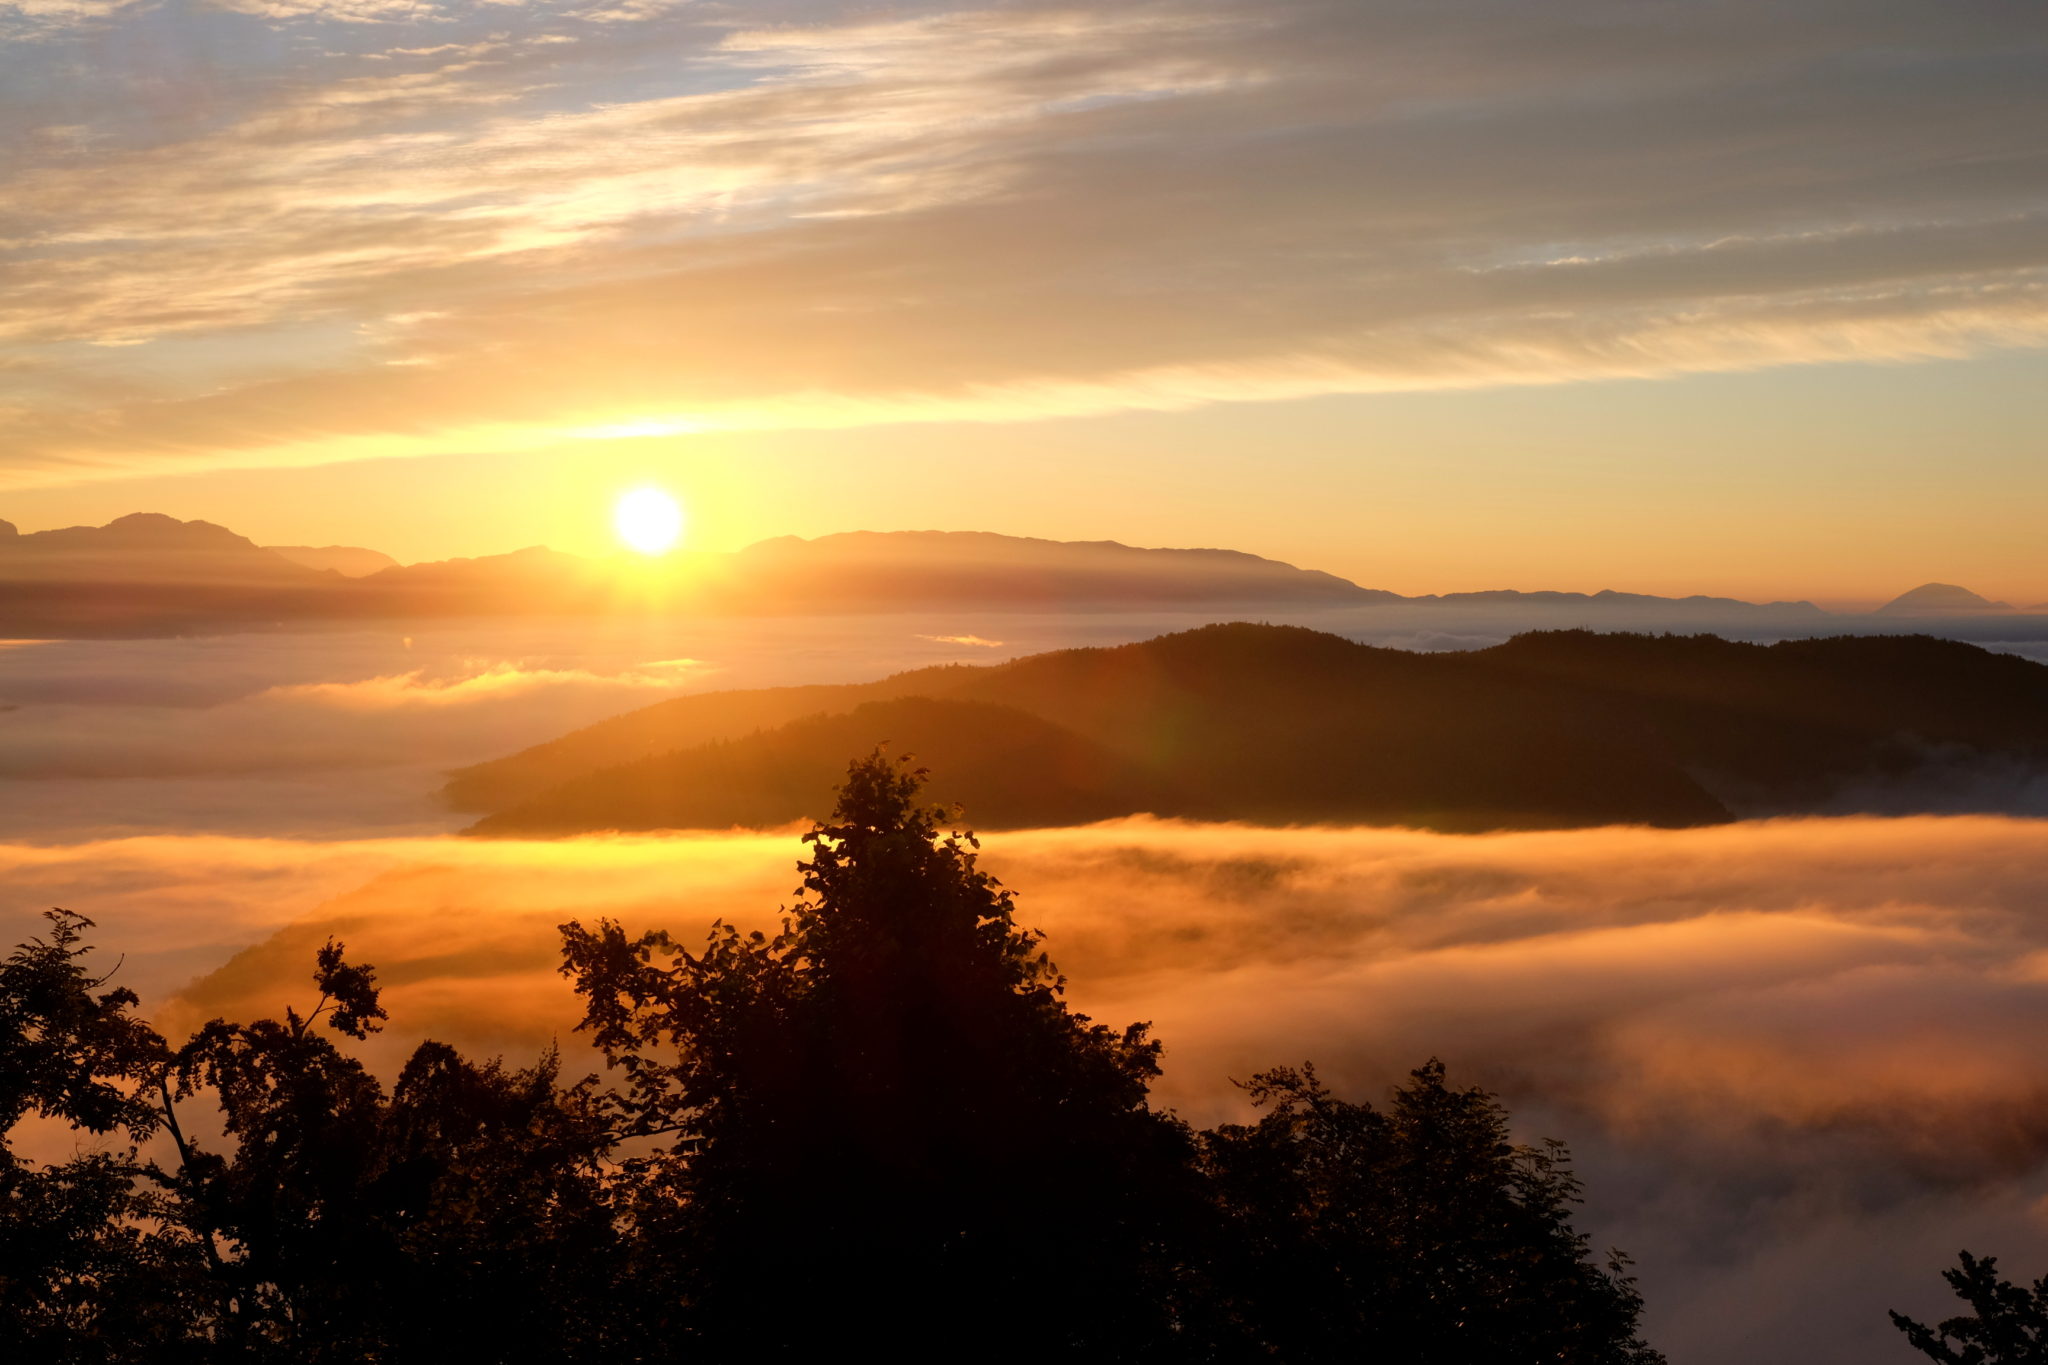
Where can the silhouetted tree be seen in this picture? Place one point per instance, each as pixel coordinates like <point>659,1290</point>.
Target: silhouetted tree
<point>83,1264</point>
<point>1417,1233</point>
<point>2007,1323</point>
<point>461,1217</point>
<point>890,1104</point>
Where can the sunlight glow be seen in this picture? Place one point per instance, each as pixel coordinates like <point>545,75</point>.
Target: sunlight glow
<point>648,520</point>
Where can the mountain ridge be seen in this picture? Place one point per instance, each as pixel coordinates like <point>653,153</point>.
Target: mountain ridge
<point>1281,724</point>
<point>146,573</point>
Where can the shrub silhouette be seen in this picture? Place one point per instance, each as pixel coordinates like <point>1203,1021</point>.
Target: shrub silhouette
<point>881,1125</point>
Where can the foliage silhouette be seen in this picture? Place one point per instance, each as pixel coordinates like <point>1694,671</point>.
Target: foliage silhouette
<point>2007,1323</point>
<point>1416,1233</point>
<point>81,1266</point>
<point>458,1217</point>
<point>882,1123</point>
<point>890,1103</point>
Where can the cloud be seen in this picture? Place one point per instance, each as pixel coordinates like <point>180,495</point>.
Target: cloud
<point>1017,212</point>
<point>1795,1058</point>
<point>341,731</point>
<point>404,719</point>
<point>34,20</point>
<point>975,640</point>
<point>490,682</point>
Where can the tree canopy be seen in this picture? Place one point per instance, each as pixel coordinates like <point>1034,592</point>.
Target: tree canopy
<point>2007,1323</point>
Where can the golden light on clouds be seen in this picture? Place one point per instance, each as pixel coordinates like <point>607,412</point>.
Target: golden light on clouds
<point>504,221</point>
<point>648,520</point>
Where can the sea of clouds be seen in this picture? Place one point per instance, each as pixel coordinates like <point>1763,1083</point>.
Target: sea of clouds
<point>1799,1061</point>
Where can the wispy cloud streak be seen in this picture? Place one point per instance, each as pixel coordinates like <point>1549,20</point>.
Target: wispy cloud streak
<point>507,224</point>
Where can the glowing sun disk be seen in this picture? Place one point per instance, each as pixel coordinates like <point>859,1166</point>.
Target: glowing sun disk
<point>648,520</point>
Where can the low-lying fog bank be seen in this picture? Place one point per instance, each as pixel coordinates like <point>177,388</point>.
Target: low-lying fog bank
<point>1799,1061</point>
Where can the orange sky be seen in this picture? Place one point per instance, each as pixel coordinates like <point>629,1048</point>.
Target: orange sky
<point>1733,298</point>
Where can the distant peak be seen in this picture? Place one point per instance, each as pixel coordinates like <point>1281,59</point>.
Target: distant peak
<point>1940,599</point>
<point>156,529</point>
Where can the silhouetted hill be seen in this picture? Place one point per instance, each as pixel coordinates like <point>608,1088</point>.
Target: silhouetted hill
<point>1280,724</point>
<point>1940,599</point>
<point>1785,725</point>
<point>1010,767</point>
<point>679,723</point>
<point>350,561</point>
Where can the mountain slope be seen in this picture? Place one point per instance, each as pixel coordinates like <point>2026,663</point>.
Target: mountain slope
<point>1012,768</point>
<point>666,726</point>
<point>1280,724</point>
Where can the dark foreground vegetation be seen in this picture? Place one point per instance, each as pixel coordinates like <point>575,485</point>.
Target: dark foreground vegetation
<point>1281,725</point>
<point>2007,1323</point>
<point>880,1129</point>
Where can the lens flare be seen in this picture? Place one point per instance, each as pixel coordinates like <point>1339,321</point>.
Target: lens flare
<point>648,520</point>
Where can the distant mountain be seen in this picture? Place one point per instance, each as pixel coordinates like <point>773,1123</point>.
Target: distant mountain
<point>46,576</point>
<point>147,574</point>
<point>349,561</point>
<point>1283,725</point>
<point>1941,599</point>
<point>146,547</point>
<point>913,570</point>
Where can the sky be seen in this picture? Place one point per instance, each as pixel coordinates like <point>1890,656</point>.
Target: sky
<point>1659,295</point>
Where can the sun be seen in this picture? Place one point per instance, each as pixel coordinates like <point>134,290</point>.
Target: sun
<point>648,520</point>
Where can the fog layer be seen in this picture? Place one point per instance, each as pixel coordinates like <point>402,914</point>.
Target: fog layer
<point>1799,1059</point>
